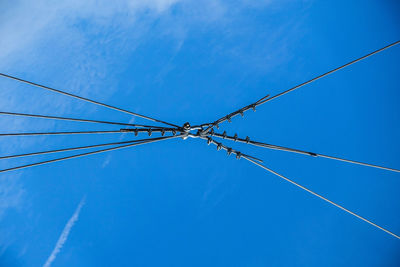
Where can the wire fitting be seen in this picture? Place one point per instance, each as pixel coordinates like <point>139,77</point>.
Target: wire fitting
<point>219,146</point>
<point>238,155</point>
<point>186,127</point>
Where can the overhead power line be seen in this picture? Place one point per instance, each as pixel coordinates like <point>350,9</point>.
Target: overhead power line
<point>59,133</point>
<point>321,197</point>
<point>329,72</point>
<point>85,99</point>
<point>74,119</point>
<point>150,140</point>
<point>68,149</point>
<point>298,151</point>
<point>266,99</point>
<point>140,130</point>
<point>204,131</point>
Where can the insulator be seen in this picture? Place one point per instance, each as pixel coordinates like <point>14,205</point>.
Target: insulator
<point>224,134</point>
<point>149,132</point>
<point>229,151</point>
<point>229,118</point>
<point>162,132</point>
<point>253,107</point>
<point>217,126</point>
<point>219,146</point>
<point>241,112</point>
<point>247,139</point>
<point>173,131</point>
<point>235,137</point>
<point>212,132</point>
<point>136,132</point>
<point>209,140</point>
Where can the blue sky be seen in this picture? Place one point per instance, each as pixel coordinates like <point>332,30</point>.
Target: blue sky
<point>182,203</point>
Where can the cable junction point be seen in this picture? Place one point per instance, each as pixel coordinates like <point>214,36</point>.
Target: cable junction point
<point>203,131</point>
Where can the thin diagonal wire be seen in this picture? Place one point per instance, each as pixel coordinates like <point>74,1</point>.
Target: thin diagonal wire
<point>329,72</point>
<point>84,99</point>
<point>68,149</point>
<point>88,153</point>
<point>302,152</point>
<point>73,119</point>
<point>140,130</point>
<point>321,197</point>
<point>265,99</point>
<point>60,133</point>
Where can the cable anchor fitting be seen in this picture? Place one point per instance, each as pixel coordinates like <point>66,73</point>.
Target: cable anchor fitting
<point>238,155</point>
<point>186,127</point>
<point>247,139</point>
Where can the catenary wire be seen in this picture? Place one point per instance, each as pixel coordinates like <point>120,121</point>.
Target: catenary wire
<point>266,99</point>
<point>140,130</point>
<point>321,197</point>
<point>151,140</point>
<point>329,72</point>
<point>281,148</point>
<point>84,99</point>
<point>73,119</point>
<point>69,149</point>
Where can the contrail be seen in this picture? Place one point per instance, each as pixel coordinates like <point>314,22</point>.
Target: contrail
<point>64,235</point>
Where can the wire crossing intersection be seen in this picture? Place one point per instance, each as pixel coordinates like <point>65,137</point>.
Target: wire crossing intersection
<point>204,131</point>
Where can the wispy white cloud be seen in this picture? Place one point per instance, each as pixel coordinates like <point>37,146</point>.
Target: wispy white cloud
<point>106,161</point>
<point>10,192</point>
<point>64,235</point>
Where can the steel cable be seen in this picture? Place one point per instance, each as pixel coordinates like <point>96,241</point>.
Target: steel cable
<point>84,99</point>
<point>89,153</point>
<point>321,197</point>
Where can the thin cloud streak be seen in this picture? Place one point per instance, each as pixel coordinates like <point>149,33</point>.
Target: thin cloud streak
<point>64,235</point>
